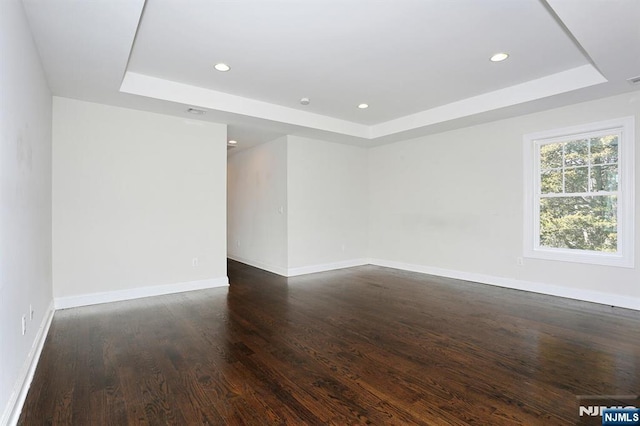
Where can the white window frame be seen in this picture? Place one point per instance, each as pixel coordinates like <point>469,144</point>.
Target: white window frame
<point>624,257</point>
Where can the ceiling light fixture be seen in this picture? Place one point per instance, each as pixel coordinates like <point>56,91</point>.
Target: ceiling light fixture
<point>232,142</point>
<point>222,67</point>
<point>195,111</point>
<point>499,57</point>
<point>305,101</point>
<point>363,106</point>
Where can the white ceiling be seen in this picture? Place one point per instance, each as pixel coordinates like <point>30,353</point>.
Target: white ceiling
<point>421,65</point>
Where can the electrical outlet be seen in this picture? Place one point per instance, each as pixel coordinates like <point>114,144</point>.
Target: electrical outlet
<point>24,325</point>
<point>194,262</point>
<point>31,312</point>
<point>519,261</point>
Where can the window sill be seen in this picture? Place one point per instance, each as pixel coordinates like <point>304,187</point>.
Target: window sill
<point>581,256</point>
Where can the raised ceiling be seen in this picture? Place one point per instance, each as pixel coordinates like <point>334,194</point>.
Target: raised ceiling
<point>422,66</point>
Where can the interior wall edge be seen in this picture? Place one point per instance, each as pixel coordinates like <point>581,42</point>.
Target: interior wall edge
<point>509,283</point>
<point>516,284</point>
<point>22,384</point>
<point>312,269</point>
<point>264,266</point>
<point>75,301</point>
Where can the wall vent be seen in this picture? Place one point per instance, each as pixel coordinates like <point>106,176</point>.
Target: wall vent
<point>634,80</point>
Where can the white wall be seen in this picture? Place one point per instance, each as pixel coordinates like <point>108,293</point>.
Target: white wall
<point>257,206</point>
<point>321,189</point>
<point>25,200</point>
<point>452,203</point>
<point>327,199</point>
<point>136,196</point>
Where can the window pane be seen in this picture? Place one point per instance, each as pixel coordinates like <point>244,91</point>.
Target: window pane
<point>576,180</point>
<point>551,182</point>
<point>581,223</point>
<point>604,149</point>
<point>576,153</point>
<point>551,156</point>
<point>604,178</point>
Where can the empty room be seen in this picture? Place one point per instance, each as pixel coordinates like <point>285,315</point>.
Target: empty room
<point>319,212</point>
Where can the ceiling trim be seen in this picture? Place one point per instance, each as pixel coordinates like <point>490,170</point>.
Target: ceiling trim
<point>153,87</point>
<point>555,84</point>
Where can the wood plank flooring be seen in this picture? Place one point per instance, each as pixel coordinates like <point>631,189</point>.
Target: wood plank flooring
<point>365,345</point>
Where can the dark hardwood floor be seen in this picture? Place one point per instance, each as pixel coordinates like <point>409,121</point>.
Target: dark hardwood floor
<point>365,345</point>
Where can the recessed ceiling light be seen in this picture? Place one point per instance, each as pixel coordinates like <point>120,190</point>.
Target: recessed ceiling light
<point>499,57</point>
<point>195,111</point>
<point>363,106</point>
<point>222,67</point>
<point>232,142</point>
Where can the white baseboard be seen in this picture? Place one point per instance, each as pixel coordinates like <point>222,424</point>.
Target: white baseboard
<point>535,287</point>
<point>312,269</point>
<point>270,268</point>
<point>302,270</point>
<point>512,283</point>
<point>19,394</point>
<point>136,293</point>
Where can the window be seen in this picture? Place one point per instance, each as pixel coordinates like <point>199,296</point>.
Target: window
<point>579,193</point>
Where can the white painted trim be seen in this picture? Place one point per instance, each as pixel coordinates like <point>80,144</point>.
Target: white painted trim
<point>312,269</point>
<point>14,407</point>
<point>554,84</point>
<point>278,270</point>
<point>302,270</point>
<point>512,283</point>
<point>136,293</point>
<point>167,90</point>
<point>625,127</point>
